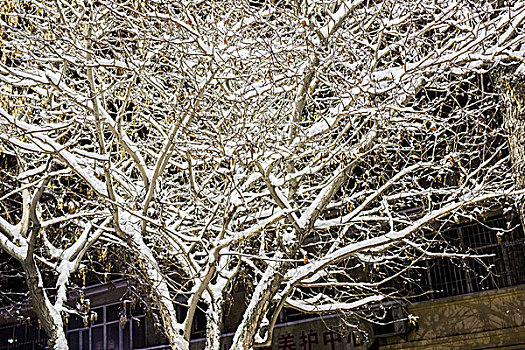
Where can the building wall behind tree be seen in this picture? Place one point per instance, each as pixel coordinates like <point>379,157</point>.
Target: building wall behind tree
<point>329,332</point>
<point>490,319</point>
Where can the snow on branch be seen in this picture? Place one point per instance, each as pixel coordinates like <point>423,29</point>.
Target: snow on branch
<point>317,307</point>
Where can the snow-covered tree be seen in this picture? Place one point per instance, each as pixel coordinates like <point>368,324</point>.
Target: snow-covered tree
<point>47,227</point>
<point>312,150</point>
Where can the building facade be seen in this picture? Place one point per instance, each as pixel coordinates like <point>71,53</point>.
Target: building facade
<point>476,303</point>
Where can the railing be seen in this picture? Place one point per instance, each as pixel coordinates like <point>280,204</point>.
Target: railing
<point>22,336</point>
<point>505,267</point>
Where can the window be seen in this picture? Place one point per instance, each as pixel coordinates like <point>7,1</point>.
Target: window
<point>503,268</point>
<point>22,336</point>
<point>113,328</point>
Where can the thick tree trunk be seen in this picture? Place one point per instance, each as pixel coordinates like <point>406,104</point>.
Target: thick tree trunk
<point>130,230</point>
<point>513,97</point>
<point>258,306</point>
<point>213,325</point>
<point>49,317</point>
<point>173,329</point>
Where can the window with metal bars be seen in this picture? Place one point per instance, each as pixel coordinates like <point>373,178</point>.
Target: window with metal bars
<point>113,328</point>
<point>24,336</point>
<point>503,264</point>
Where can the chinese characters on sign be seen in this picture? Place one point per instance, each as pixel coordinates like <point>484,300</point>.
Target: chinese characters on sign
<point>328,339</point>
<point>313,336</point>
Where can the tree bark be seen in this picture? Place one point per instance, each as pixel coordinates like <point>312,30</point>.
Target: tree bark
<point>172,329</point>
<point>51,320</point>
<point>513,98</point>
<point>259,306</point>
<point>214,324</point>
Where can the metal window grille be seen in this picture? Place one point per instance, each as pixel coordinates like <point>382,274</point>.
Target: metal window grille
<point>505,267</point>
<point>22,337</point>
<point>113,329</point>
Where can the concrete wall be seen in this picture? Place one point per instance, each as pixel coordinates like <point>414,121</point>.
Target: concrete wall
<point>491,319</point>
